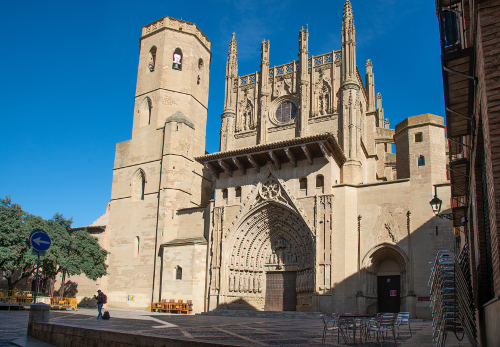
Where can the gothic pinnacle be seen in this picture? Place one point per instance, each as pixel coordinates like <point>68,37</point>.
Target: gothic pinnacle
<point>347,9</point>
<point>232,45</point>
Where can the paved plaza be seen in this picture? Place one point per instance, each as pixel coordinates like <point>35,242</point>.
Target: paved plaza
<point>238,331</point>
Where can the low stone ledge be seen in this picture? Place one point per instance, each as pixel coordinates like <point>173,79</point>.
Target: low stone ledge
<point>70,336</point>
<point>264,314</point>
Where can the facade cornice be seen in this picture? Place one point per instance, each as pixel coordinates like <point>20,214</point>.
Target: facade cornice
<point>269,146</point>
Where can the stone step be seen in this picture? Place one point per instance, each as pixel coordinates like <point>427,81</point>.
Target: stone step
<point>263,314</point>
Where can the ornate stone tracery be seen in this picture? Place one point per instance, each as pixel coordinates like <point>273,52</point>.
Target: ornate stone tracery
<point>270,235</point>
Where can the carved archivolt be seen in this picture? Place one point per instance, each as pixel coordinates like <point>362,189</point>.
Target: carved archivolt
<point>254,199</point>
<point>250,244</point>
<point>270,236</point>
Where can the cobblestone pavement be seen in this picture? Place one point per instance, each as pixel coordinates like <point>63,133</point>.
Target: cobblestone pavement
<point>13,325</point>
<point>238,331</point>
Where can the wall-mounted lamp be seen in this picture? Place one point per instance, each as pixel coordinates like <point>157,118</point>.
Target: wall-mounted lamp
<point>436,204</point>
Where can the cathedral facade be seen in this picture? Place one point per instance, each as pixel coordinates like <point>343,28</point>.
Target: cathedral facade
<point>305,207</point>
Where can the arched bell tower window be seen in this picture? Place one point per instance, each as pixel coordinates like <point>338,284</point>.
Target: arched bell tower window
<point>152,59</point>
<point>177,59</point>
<point>421,161</point>
<point>138,185</point>
<point>145,112</point>
<point>178,273</point>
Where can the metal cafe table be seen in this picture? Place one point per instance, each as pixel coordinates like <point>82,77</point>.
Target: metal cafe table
<point>343,316</point>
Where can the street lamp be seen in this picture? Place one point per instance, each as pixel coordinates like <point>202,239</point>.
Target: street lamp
<point>436,204</point>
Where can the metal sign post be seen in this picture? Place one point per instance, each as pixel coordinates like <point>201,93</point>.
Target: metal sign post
<point>40,242</point>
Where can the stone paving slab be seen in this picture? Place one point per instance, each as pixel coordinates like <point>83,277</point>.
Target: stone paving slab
<point>237,331</point>
<point>28,341</point>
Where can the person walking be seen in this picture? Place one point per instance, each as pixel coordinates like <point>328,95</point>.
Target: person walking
<point>100,301</point>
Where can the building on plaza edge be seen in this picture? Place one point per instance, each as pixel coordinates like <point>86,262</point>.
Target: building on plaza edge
<point>312,210</point>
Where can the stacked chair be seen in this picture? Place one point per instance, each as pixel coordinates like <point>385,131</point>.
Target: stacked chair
<point>451,298</point>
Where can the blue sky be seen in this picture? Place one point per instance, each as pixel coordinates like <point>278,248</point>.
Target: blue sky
<point>68,72</point>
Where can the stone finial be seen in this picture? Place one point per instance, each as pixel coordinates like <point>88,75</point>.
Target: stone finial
<point>233,49</point>
<point>369,63</point>
<point>264,52</point>
<point>347,9</point>
<point>379,101</point>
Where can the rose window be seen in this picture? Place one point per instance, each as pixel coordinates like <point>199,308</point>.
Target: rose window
<point>285,112</point>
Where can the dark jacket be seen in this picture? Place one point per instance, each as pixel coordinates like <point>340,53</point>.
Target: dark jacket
<point>100,298</point>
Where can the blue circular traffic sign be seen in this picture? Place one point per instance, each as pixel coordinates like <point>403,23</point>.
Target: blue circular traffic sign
<point>40,241</point>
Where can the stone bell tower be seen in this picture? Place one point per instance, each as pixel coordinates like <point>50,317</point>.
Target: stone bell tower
<point>155,174</point>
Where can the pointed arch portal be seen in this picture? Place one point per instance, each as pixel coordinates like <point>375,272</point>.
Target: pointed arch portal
<point>270,257</point>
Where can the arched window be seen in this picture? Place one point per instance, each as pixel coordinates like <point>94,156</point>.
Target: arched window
<point>224,194</point>
<point>200,64</point>
<point>138,185</point>
<point>237,194</point>
<point>177,64</point>
<point>136,246</point>
<point>320,183</point>
<point>152,59</point>
<point>178,273</point>
<point>421,160</point>
<point>145,112</point>
<point>303,183</point>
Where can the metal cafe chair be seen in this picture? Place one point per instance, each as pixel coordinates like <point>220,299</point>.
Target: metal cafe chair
<point>373,326</point>
<point>386,324</point>
<point>403,318</point>
<point>331,325</point>
<point>347,323</point>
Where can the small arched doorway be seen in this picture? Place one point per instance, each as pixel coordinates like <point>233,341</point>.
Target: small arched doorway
<point>385,277</point>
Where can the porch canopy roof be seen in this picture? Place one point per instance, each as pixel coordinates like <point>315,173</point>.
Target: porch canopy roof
<point>288,151</point>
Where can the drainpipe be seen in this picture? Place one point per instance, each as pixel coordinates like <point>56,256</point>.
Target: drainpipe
<point>158,219</point>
